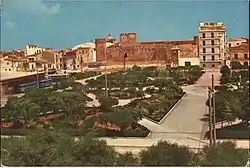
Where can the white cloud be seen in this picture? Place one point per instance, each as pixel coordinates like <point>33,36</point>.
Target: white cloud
<point>9,24</point>
<point>38,7</point>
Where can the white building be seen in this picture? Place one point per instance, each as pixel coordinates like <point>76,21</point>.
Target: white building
<point>182,61</point>
<point>10,64</point>
<point>233,42</point>
<point>32,49</point>
<point>212,49</point>
<point>92,49</point>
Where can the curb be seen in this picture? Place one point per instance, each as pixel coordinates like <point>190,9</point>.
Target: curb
<point>169,112</point>
<point>164,117</point>
<point>150,133</point>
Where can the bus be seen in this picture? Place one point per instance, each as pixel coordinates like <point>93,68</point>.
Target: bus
<point>33,85</point>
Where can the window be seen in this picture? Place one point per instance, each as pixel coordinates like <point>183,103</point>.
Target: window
<point>245,56</point>
<point>236,56</point>
<point>6,70</point>
<point>229,44</point>
<point>212,57</point>
<point>204,50</point>
<point>213,65</point>
<point>9,69</point>
<point>204,58</point>
<point>204,65</point>
<point>203,35</point>
<point>212,50</point>
<point>7,63</point>
<point>204,42</point>
<point>212,42</point>
<point>212,35</point>
<point>238,43</point>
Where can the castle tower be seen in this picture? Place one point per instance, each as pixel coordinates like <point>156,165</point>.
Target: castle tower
<point>100,44</point>
<point>123,38</point>
<point>127,37</point>
<point>131,37</point>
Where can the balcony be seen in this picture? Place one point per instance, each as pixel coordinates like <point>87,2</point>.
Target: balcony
<point>211,61</point>
<point>210,38</point>
<point>210,45</point>
<point>209,53</point>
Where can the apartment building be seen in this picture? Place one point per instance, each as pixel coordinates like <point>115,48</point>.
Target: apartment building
<point>212,45</point>
<point>32,49</point>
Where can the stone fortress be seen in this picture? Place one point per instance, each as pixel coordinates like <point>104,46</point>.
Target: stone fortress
<point>167,52</point>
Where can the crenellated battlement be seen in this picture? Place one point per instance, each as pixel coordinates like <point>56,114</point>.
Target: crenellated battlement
<point>127,37</point>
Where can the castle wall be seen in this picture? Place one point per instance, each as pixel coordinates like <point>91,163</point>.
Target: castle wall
<point>146,51</point>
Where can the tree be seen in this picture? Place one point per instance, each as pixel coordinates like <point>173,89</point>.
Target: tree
<point>73,106</point>
<point>226,112</point>
<point>91,152</point>
<point>225,71</point>
<point>244,100</point>
<point>223,154</point>
<point>56,149</point>
<point>126,159</point>
<point>107,103</point>
<point>122,117</point>
<point>166,154</point>
<point>46,149</point>
<point>236,65</point>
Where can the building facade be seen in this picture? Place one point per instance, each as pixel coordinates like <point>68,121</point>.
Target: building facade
<point>32,49</point>
<point>41,61</point>
<point>234,42</point>
<point>10,63</point>
<point>212,44</point>
<point>240,52</point>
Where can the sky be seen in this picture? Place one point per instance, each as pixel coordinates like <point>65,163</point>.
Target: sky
<point>66,23</point>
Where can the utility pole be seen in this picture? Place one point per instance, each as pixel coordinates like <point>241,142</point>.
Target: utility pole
<point>106,78</point>
<point>210,116</point>
<point>214,118</point>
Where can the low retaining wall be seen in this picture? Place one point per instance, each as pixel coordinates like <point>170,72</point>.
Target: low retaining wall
<point>168,113</point>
